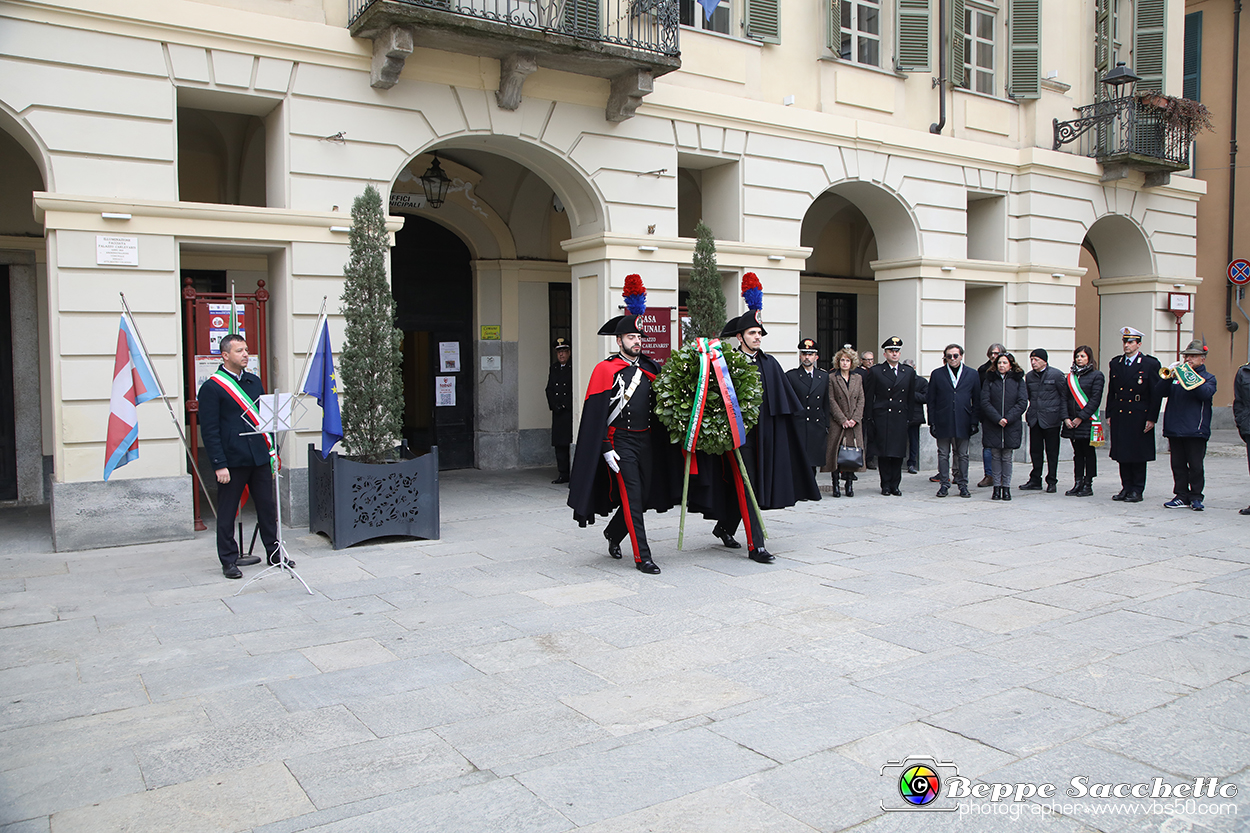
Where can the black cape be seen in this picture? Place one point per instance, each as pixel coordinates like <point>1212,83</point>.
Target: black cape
<point>592,487</point>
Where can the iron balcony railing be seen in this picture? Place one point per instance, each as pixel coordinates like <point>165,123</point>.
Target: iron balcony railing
<point>647,25</point>
<point>1126,127</point>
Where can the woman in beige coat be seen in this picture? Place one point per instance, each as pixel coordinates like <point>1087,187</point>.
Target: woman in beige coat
<point>846,407</point>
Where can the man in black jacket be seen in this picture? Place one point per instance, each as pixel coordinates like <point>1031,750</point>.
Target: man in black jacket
<point>954,396</point>
<point>811,385</point>
<point>227,411</point>
<point>889,395</point>
<point>1048,407</point>
<point>560,401</point>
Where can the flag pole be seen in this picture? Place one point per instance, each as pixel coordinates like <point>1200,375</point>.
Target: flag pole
<point>161,388</point>
<point>312,342</point>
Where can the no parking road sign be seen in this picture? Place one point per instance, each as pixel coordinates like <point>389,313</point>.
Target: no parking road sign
<point>1239,271</point>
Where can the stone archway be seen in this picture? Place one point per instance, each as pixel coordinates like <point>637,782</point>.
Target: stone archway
<point>1128,285</point>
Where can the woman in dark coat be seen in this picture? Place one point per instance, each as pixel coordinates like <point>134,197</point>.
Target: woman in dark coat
<point>1085,381</point>
<point>846,411</point>
<point>1004,399</point>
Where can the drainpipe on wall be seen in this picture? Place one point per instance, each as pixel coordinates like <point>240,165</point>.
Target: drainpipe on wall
<point>941,79</point>
<point>1229,323</point>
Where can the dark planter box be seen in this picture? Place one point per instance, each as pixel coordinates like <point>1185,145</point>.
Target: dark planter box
<point>352,502</point>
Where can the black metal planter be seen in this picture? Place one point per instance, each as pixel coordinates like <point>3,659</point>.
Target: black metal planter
<point>352,502</point>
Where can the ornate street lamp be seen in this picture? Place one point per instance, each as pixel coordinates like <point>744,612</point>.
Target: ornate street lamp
<point>435,183</point>
<point>1119,77</point>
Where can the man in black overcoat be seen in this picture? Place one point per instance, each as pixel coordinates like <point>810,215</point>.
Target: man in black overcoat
<point>811,385</point>
<point>1133,401</point>
<point>240,462</point>
<point>954,398</point>
<point>891,388</point>
<point>560,401</point>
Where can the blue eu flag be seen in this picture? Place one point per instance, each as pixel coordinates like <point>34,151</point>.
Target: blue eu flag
<point>321,384</point>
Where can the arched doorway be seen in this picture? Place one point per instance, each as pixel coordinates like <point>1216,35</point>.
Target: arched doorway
<point>1126,281</point>
<point>432,281</point>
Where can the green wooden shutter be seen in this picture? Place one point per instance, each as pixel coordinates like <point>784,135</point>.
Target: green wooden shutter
<point>581,17</point>
<point>1024,68</point>
<point>763,20</point>
<point>913,36</point>
<point>833,27</point>
<point>1149,18</point>
<point>1193,56</point>
<point>956,23</point>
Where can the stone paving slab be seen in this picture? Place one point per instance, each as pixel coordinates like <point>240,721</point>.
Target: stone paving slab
<point>513,677</point>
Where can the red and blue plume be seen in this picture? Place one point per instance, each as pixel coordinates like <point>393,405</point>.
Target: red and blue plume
<point>635,295</point>
<point>752,292</point>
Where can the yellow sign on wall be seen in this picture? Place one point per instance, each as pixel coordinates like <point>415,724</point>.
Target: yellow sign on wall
<point>490,332</point>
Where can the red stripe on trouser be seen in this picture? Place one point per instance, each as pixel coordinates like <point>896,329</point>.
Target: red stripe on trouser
<point>629,519</point>
<point>742,508</point>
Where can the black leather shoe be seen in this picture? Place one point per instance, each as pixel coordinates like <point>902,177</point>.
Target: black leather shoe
<point>1006,493</point>
<point>1120,495</point>
<point>1075,489</point>
<point>963,492</point>
<point>937,478</point>
<point>885,492</point>
<point>913,470</point>
<point>762,555</point>
<point>896,493</point>
<point>1087,488</point>
<point>944,491</point>
<point>1031,486</point>
<point>725,538</point>
<point>274,559</point>
<point>614,547</point>
<point>232,572</point>
<point>1245,511</point>
<point>649,567</point>
<point>1133,497</point>
<point>1050,488</point>
<point>998,493</point>
<point>247,560</point>
<point>561,479</point>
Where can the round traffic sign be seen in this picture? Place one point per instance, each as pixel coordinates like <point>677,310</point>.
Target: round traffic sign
<point>1239,271</point>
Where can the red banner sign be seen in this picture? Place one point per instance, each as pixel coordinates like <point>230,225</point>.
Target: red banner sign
<point>656,325</point>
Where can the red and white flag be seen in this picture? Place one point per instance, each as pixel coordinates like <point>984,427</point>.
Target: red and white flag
<point>134,382</point>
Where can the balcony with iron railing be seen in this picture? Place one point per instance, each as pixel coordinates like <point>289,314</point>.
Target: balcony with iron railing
<point>629,42</point>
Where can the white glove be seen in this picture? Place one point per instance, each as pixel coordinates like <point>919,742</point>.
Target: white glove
<point>613,460</point>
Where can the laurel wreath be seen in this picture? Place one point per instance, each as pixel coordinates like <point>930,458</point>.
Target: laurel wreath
<point>675,392</point>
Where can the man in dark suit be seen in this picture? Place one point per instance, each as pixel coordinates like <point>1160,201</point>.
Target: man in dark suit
<point>811,385</point>
<point>560,401</point>
<point>891,388</point>
<point>1133,401</point>
<point>866,361</point>
<point>954,399</point>
<point>227,409</point>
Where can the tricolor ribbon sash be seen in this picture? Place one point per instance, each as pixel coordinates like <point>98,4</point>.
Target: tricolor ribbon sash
<point>712,364</point>
<point>1095,421</point>
<point>231,386</point>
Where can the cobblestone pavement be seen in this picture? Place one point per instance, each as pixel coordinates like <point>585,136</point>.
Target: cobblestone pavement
<point>512,677</point>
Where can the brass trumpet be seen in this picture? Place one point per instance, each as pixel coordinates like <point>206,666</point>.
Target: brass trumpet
<point>1169,371</point>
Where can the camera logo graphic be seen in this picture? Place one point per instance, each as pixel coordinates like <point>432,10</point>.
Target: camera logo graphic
<point>916,783</point>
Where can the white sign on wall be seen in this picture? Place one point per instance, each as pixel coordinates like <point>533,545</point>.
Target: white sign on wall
<point>449,356</point>
<point>444,391</point>
<point>113,250</point>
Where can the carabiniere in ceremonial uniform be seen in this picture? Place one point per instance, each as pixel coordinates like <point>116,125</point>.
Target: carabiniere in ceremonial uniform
<point>1133,401</point>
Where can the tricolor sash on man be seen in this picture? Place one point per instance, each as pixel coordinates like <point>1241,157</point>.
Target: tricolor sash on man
<point>134,382</point>
<point>231,386</point>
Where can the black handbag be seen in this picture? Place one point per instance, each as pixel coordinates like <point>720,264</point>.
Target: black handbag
<point>850,458</point>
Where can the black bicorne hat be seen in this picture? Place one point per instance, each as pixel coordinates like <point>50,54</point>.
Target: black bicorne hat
<point>621,325</point>
<point>744,322</point>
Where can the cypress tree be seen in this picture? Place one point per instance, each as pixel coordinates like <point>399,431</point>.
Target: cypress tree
<point>369,367</point>
<point>707,296</point>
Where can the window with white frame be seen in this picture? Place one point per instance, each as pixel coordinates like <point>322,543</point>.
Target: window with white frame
<point>861,32</point>
<point>694,14</point>
<point>980,38</point>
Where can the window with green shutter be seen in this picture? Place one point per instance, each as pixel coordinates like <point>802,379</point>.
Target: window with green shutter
<point>956,18</point>
<point>1024,68</point>
<point>763,20</point>
<point>1149,17</point>
<point>912,53</point>
<point>1193,57</point>
<point>833,25</point>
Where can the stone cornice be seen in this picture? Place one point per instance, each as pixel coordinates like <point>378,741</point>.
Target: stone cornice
<point>680,250</point>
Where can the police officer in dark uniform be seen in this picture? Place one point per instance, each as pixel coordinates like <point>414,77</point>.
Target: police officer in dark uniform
<point>1133,401</point>
<point>560,401</point>
<point>811,385</point>
<point>889,395</point>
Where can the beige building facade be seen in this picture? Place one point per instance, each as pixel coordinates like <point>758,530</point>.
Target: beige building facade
<point>228,139</point>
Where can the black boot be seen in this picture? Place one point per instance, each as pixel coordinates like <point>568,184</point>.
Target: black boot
<point>1087,488</point>
<point>998,493</point>
<point>836,491</point>
<point>850,490</point>
<point>1076,487</point>
<point>1006,493</point>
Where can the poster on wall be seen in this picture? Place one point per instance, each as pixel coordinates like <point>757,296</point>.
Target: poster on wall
<point>444,391</point>
<point>656,325</point>
<point>219,325</point>
<point>449,356</point>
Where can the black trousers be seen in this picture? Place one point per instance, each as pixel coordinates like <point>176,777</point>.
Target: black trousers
<point>1133,477</point>
<point>259,482</point>
<point>562,460</point>
<point>1084,459</point>
<point>733,505</point>
<point>913,445</point>
<point>634,448</point>
<point>1188,477</point>
<point>891,471</point>
<point>1044,441</point>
